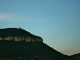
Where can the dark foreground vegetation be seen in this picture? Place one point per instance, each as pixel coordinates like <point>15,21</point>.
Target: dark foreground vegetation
<point>21,50</point>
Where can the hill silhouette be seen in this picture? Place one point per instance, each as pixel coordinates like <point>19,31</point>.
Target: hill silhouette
<point>76,56</point>
<point>22,50</point>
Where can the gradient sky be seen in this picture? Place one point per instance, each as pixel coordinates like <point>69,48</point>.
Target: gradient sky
<point>56,21</point>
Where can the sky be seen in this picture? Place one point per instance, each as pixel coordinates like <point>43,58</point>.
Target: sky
<point>56,21</point>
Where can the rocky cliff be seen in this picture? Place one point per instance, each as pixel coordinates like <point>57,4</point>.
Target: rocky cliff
<point>18,34</point>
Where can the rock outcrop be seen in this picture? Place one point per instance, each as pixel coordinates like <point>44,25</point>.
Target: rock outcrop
<point>18,34</point>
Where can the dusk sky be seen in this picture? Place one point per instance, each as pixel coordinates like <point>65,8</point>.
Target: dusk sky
<point>56,21</point>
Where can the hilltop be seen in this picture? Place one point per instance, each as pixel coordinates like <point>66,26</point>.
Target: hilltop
<point>18,34</point>
<point>14,32</point>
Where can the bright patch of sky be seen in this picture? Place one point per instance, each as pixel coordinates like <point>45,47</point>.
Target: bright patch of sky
<point>56,21</point>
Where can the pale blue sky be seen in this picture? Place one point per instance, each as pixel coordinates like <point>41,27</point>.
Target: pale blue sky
<point>56,21</point>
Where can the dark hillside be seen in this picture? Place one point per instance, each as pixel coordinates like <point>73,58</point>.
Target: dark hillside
<point>18,44</point>
<point>22,49</point>
<point>76,56</point>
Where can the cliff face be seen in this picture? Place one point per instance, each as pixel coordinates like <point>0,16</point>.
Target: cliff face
<point>18,34</point>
